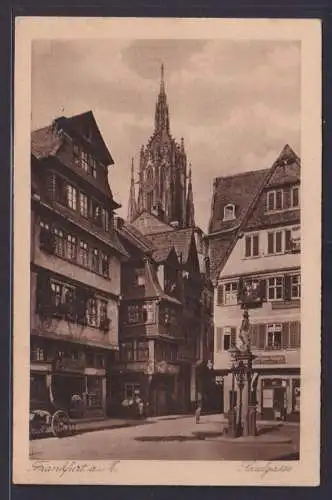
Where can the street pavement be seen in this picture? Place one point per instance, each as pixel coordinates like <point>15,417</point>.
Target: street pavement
<point>169,439</point>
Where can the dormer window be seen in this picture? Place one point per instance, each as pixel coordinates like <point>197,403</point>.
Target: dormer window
<point>229,212</point>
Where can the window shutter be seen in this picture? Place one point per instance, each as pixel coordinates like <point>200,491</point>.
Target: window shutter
<point>220,295</point>
<point>255,245</point>
<point>254,335</point>
<point>287,287</point>
<point>248,246</point>
<point>219,332</point>
<point>51,186</point>
<point>288,240</point>
<point>287,198</point>
<point>233,337</point>
<point>261,336</point>
<point>285,336</point>
<point>295,334</point>
<point>240,286</point>
<point>263,284</point>
<point>270,240</point>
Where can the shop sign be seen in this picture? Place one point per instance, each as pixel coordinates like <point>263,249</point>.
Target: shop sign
<point>270,360</point>
<point>69,365</point>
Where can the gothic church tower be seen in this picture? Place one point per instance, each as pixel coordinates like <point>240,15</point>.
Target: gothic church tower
<point>162,176</point>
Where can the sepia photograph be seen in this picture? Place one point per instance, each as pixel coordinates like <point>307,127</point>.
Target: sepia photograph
<point>163,312</point>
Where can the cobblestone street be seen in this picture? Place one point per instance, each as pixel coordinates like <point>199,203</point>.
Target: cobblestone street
<point>170,439</point>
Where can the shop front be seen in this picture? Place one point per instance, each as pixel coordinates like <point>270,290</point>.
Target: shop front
<point>278,396</point>
<point>69,376</point>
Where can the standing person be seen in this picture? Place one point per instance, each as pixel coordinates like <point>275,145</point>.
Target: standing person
<point>198,411</point>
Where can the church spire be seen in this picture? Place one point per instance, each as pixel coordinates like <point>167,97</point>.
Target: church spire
<point>190,209</point>
<point>161,119</point>
<point>132,208</point>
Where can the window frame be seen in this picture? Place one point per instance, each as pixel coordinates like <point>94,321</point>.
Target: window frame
<point>252,237</point>
<point>83,250</point>
<point>231,296</point>
<point>275,329</point>
<point>230,207</point>
<point>274,234</point>
<point>273,193</point>
<point>83,196</point>
<point>71,196</point>
<point>275,287</point>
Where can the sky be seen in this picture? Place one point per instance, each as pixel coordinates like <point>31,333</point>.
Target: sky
<point>236,103</point>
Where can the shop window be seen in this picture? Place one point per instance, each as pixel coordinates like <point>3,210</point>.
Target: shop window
<point>130,389</point>
<point>84,205</point>
<point>94,391</point>
<point>230,295</point>
<point>84,254</point>
<point>38,388</point>
<point>275,288</point>
<point>252,245</point>
<point>273,336</point>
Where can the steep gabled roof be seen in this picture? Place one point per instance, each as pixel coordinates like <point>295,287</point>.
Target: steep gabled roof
<point>148,223</point>
<point>135,237</point>
<point>282,170</point>
<point>180,239</point>
<point>239,190</point>
<point>45,142</point>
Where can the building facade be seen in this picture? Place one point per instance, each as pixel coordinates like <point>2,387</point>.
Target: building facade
<point>263,257</point>
<point>164,214</point>
<point>75,265</point>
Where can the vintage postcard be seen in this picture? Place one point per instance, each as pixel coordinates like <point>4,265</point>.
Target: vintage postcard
<point>166,268</point>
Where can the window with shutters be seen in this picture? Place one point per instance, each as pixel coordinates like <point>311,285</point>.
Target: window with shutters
<point>230,294</point>
<point>294,334</point>
<point>275,288</point>
<point>273,336</point>
<point>251,245</point>
<point>295,283</point>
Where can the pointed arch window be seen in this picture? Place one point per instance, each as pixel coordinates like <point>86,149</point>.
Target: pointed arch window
<point>229,211</point>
